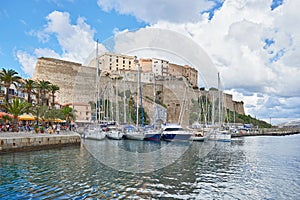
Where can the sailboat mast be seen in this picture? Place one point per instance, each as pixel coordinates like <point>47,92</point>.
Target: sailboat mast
<point>124,99</point>
<point>219,102</point>
<point>97,85</point>
<point>141,97</point>
<point>117,103</point>
<point>137,100</point>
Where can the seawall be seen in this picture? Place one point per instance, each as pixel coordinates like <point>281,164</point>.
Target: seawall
<point>28,141</point>
<point>268,132</point>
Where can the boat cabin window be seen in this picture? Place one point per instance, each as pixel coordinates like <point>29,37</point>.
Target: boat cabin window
<point>173,129</point>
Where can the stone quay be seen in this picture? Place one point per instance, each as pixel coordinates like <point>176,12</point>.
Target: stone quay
<point>28,141</point>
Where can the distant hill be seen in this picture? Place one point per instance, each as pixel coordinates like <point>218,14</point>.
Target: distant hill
<point>291,124</point>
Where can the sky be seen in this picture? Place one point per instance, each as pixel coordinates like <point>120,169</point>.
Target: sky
<point>254,44</point>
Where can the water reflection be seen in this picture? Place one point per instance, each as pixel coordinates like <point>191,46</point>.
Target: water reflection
<point>250,169</point>
<point>136,156</point>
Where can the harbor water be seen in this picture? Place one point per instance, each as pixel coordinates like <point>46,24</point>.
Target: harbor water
<point>245,168</point>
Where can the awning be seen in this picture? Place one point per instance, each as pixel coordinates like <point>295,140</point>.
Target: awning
<point>4,114</point>
<point>26,117</point>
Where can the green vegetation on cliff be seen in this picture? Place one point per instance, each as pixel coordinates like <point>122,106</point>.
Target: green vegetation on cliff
<point>245,119</point>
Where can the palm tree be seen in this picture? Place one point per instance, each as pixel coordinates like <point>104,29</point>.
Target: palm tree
<point>8,77</point>
<point>69,114</point>
<point>29,86</point>
<point>53,89</point>
<point>42,90</point>
<point>16,107</point>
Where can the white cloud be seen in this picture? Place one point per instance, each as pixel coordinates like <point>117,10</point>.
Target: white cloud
<point>235,39</point>
<point>151,11</point>
<point>76,41</point>
<point>27,62</point>
<point>46,53</point>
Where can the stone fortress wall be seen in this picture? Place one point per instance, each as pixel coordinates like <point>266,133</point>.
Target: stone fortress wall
<point>77,84</point>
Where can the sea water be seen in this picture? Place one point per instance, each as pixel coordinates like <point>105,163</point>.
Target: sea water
<point>245,168</point>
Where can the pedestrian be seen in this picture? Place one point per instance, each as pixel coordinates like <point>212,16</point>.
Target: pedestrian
<point>58,128</point>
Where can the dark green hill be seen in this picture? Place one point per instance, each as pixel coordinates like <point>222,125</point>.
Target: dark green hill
<point>245,119</point>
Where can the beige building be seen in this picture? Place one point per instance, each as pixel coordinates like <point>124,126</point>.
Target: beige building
<point>146,64</point>
<point>191,74</point>
<point>112,62</point>
<point>83,111</point>
<point>160,67</point>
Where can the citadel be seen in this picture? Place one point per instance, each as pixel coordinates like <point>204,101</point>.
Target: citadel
<point>171,88</point>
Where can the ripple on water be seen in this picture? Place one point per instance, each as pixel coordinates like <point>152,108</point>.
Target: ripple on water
<point>248,170</point>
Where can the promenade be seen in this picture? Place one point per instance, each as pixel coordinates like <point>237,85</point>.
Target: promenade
<point>27,141</point>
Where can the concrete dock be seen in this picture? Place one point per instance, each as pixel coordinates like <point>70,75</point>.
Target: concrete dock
<point>28,141</point>
<point>268,132</point>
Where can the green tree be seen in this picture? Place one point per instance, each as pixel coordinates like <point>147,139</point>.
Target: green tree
<point>28,86</point>
<point>16,107</point>
<point>42,90</point>
<point>69,114</point>
<point>9,77</point>
<point>53,89</point>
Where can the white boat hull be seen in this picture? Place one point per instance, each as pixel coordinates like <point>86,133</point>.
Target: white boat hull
<point>135,135</point>
<point>221,136</point>
<point>115,135</point>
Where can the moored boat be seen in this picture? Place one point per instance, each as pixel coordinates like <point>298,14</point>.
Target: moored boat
<point>221,136</point>
<point>94,133</point>
<point>115,134</point>
<point>153,135</point>
<point>132,133</point>
<point>174,132</point>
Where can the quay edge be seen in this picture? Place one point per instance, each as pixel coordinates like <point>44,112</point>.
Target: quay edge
<point>269,132</point>
<point>31,142</point>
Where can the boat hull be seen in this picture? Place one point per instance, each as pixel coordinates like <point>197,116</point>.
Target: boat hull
<point>197,138</point>
<point>94,136</point>
<point>153,136</point>
<point>115,135</point>
<point>134,136</point>
<point>221,136</point>
<point>176,136</point>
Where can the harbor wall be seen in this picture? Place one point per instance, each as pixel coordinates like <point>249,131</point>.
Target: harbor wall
<point>28,143</point>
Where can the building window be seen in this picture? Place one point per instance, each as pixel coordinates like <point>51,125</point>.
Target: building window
<point>117,60</point>
<point>11,91</point>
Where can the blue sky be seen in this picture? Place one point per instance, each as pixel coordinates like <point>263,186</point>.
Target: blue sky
<point>253,43</point>
<point>22,18</point>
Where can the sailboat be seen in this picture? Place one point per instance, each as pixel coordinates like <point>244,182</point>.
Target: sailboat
<point>115,133</point>
<point>219,134</point>
<point>94,131</point>
<point>175,132</point>
<point>200,133</point>
<point>136,133</point>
